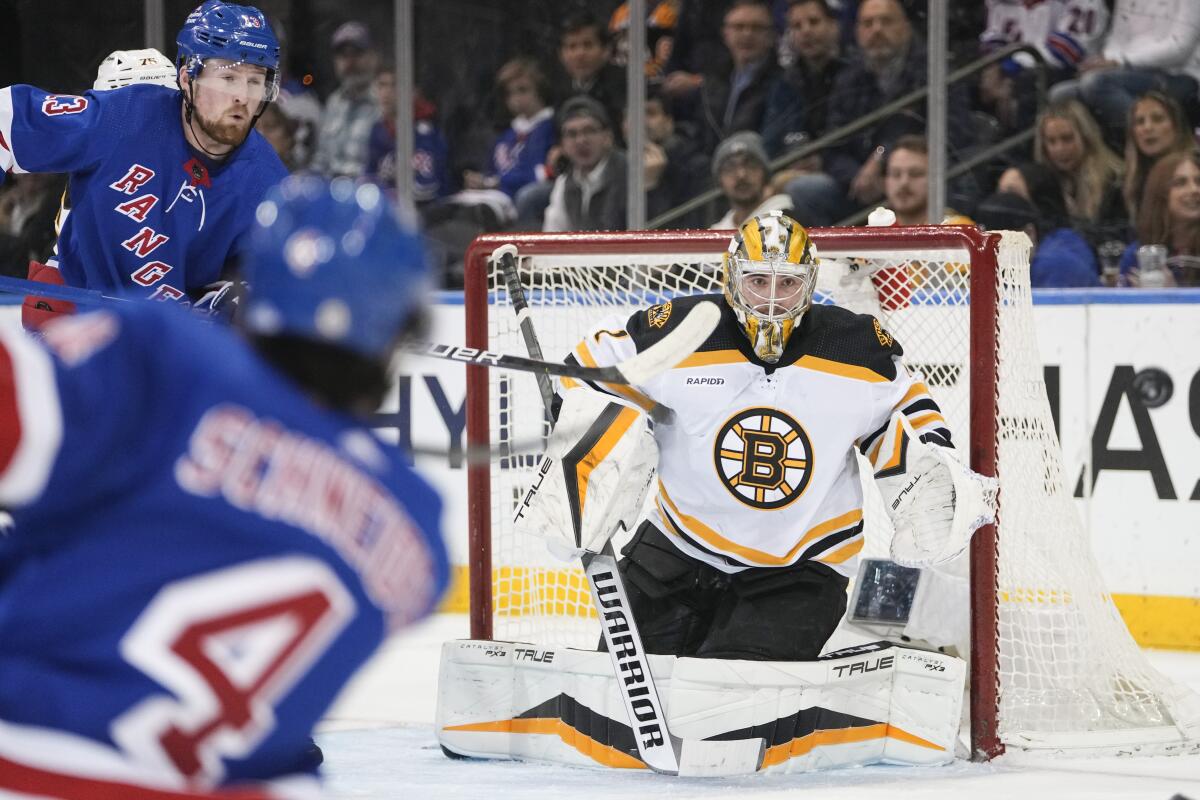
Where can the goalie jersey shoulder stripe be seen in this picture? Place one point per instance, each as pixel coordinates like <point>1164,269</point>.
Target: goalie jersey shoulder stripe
<point>826,334</point>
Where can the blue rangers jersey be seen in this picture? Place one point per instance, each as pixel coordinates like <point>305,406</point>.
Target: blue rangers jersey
<point>201,559</point>
<point>150,216</point>
<point>756,467</point>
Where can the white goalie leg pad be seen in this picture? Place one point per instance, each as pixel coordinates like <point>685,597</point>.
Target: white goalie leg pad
<point>869,705</point>
<point>517,701</point>
<point>876,704</point>
<point>593,477</point>
<point>934,501</point>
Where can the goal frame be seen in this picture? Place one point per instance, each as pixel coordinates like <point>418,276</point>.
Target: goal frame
<point>983,406</point>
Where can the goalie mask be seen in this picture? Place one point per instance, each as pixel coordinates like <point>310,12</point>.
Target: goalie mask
<point>770,273</point>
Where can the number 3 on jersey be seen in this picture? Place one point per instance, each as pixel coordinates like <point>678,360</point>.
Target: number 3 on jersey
<point>227,644</point>
<point>57,104</point>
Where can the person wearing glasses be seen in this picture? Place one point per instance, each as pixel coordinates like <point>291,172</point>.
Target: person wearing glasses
<point>589,194</point>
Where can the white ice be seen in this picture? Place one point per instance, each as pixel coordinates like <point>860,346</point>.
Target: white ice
<point>379,745</point>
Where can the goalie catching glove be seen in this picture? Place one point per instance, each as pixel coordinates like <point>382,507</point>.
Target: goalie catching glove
<point>935,503</point>
<point>593,478</point>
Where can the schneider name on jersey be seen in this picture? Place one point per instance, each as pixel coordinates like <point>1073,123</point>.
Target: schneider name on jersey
<point>757,465</point>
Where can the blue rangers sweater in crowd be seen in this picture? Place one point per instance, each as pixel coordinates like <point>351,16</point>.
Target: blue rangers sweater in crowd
<point>519,153</point>
<point>201,559</point>
<point>150,215</point>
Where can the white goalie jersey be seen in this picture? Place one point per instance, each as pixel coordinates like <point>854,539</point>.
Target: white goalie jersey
<point>756,464</point>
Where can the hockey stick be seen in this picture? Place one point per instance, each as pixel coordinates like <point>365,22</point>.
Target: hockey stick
<point>697,325</point>
<point>71,293</point>
<point>657,747</point>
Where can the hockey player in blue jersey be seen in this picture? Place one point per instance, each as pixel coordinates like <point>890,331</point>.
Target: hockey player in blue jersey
<point>209,541</point>
<point>163,181</point>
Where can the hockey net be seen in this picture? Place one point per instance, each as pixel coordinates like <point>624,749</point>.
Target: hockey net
<point>1052,663</point>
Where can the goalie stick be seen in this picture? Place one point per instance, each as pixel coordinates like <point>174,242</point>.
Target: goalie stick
<point>657,747</point>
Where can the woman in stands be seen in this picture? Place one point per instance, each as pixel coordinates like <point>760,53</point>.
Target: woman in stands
<point>1068,140</point>
<point>1156,127</point>
<point>1030,198</point>
<point>1170,216</point>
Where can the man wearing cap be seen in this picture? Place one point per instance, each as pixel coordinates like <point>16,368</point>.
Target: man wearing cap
<point>590,194</point>
<point>351,111</point>
<point>740,168</point>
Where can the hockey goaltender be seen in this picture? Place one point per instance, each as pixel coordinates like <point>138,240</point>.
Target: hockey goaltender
<point>737,576</point>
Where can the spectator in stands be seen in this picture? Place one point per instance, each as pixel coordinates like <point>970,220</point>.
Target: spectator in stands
<point>29,203</point>
<point>1170,216</point>
<point>585,53</point>
<point>589,195</point>
<point>740,167</point>
<point>1068,140</point>
<point>1152,44</point>
<point>799,103</point>
<point>906,180</point>
<point>1064,33</point>
<point>736,99</point>
<point>673,163</point>
<point>1156,127</point>
<point>300,105</point>
<point>351,111</point>
<point>431,154</point>
<point>697,48</point>
<point>519,152</point>
<point>890,63</point>
<point>1030,198</point>
<point>280,131</point>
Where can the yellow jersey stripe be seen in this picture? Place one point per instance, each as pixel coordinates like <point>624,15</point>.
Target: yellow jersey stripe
<point>838,368</point>
<point>847,551</point>
<point>927,419</point>
<point>628,392</point>
<point>916,390</point>
<point>712,357</point>
<point>710,537</point>
<point>601,449</point>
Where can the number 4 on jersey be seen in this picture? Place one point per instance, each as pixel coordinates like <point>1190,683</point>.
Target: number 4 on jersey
<point>227,645</point>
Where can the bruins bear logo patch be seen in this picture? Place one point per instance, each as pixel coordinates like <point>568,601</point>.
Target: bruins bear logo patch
<point>764,458</point>
<point>658,315</point>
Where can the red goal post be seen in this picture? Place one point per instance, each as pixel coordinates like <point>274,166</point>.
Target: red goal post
<point>1041,630</point>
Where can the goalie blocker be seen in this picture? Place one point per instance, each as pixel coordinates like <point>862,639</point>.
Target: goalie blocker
<point>867,705</point>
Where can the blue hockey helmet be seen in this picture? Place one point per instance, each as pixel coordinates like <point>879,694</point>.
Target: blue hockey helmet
<point>240,34</point>
<point>333,262</point>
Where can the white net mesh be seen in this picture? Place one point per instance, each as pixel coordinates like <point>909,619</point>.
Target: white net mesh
<point>1070,674</point>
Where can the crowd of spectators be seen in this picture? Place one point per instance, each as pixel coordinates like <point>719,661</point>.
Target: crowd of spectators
<point>734,85</point>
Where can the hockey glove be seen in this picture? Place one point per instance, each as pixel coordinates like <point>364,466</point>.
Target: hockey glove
<point>934,502</point>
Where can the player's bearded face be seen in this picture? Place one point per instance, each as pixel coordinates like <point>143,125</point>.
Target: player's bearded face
<point>226,97</point>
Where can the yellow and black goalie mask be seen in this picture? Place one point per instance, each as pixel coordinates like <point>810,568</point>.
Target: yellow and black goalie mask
<point>770,274</point>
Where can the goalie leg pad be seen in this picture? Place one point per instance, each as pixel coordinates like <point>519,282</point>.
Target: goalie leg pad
<point>869,705</point>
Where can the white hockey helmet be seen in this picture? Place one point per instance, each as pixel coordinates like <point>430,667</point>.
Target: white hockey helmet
<point>127,67</point>
<point>769,278</point>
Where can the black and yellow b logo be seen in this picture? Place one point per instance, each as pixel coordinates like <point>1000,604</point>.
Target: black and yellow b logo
<point>764,457</point>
